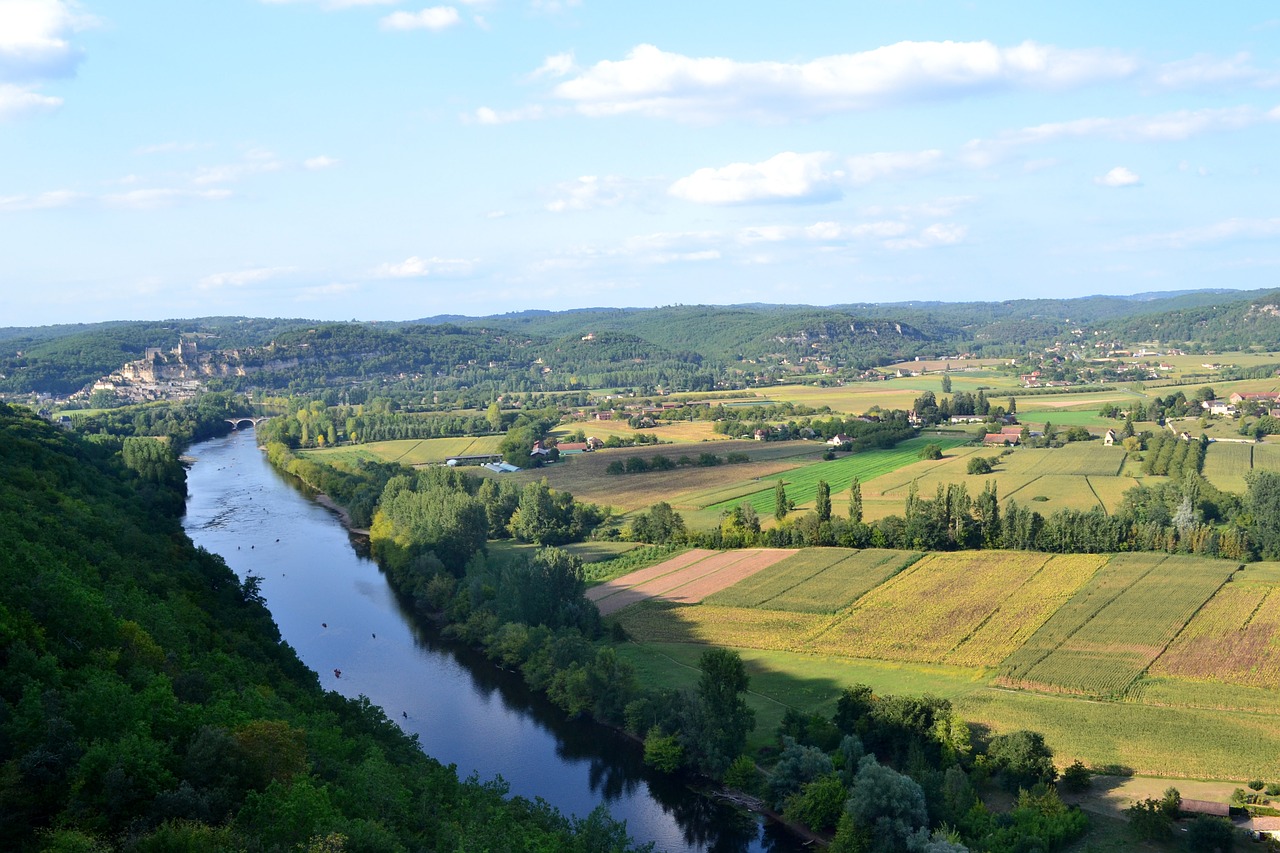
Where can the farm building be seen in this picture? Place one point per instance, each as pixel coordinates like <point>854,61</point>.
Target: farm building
<point>1109,437</point>
<point>1263,827</point>
<point>998,438</point>
<point>1206,807</point>
<point>839,439</point>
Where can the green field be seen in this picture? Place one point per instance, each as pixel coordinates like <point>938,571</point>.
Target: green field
<point>409,451</point>
<point>802,483</point>
<point>816,580</point>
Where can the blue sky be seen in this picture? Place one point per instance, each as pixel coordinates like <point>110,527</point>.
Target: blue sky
<point>357,159</point>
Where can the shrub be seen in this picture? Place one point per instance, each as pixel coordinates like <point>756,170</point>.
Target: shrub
<point>1076,778</point>
<point>743,775</point>
<point>1273,789</point>
<point>931,451</point>
<point>979,465</point>
<point>1256,784</point>
<point>662,752</point>
<point>1210,835</point>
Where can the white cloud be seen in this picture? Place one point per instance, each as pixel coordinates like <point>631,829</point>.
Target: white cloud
<point>34,39</point>
<point>784,177</point>
<point>416,267</point>
<point>18,101</point>
<point>655,83</point>
<point>1118,177</point>
<point>317,163</point>
<point>864,168</point>
<point>1219,232</point>
<point>433,18</point>
<point>556,65</point>
<point>485,115</point>
<point>255,162</point>
<point>151,199</point>
<point>938,234</point>
<point>1204,71</point>
<point>588,193</point>
<point>40,201</point>
<point>171,147</point>
<point>241,278</point>
<point>334,4</point>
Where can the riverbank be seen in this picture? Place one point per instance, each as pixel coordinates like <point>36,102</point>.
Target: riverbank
<point>341,511</point>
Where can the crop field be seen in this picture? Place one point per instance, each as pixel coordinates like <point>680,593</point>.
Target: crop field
<point>1266,455</point>
<point>677,432</point>
<point>1226,463</point>
<point>1089,458</point>
<point>410,451</point>
<point>1025,609</point>
<point>802,483</point>
<point>664,622</point>
<point>816,580</point>
<point>1234,638</point>
<point>684,579</point>
<point>933,606</point>
<point>1110,637</point>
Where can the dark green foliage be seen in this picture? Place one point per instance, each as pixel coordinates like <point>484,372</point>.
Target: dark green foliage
<point>1207,834</point>
<point>797,766</point>
<point>660,525</point>
<point>931,451</point>
<point>1076,778</point>
<point>979,465</point>
<point>1152,819</point>
<point>1021,759</point>
<point>818,804</point>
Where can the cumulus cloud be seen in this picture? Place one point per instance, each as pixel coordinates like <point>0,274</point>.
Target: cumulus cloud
<point>656,83</point>
<point>588,193</point>
<point>319,162</point>
<point>784,177</point>
<point>416,267</point>
<point>35,47</point>
<point>433,18</point>
<point>1118,177</point>
<point>241,278</point>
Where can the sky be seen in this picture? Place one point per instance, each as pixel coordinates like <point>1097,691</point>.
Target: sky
<point>390,160</point>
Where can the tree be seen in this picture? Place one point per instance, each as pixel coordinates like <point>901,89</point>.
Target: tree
<point>1211,835</point>
<point>1262,503</point>
<point>721,687</point>
<point>659,525</point>
<point>931,451</point>
<point>946,384</point>
<point>888,808</point>
<point>1021,759</point>
<point>855,501</point>
<point>1013,406</point>
<point>781,506</point>
<point>823,507</point>
<point>494,417</point>
<point>978,465</point>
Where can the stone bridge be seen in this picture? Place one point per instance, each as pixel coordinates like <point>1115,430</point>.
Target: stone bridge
<point>236,422</point>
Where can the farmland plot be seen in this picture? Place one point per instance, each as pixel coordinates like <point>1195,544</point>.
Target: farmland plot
<point>1234,638</point>
<point>817,580</point>
<point>1025,610</point>
<point>1089,458</point>
<point>1118,641</point>
<point>659,621</point>
<point>1226,463</point>
<point>687,578</point>
<point>929,609</point>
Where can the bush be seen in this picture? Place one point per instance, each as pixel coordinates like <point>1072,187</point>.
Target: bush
<point>1208,834</point>
<point>1273,789</point>
<point>931,451</point>
<point>615,467</point>
<point>1076,778</point>
<point>1256,784</point>
<point>743,775</point>
<point>979,465</point>
<point>819,803</point>
<point>662,752</point>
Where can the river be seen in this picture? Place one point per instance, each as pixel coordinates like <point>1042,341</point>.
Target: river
<point>334,607</point>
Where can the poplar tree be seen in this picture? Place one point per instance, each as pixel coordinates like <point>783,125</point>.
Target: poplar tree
<point>824,501</point>
<point>855,501</point>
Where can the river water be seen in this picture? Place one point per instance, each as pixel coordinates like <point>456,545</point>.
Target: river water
<point>334,607</point>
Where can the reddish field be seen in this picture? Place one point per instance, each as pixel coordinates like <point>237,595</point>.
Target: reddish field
<point>685,579</point>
